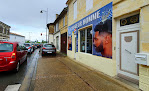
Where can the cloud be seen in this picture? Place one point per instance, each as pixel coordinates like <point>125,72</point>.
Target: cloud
<point>24,15</point>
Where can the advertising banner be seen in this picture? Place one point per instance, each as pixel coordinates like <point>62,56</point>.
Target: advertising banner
<point>101,23</point>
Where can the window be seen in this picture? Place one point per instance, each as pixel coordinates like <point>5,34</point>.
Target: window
<point>64,21</point>
<point>75,10</point>
<point>89,4</point>
<point>57,26</point>
<point>6,47</point>
<point>82,41</point>
<point>86,40</point>
<point>1,29</point>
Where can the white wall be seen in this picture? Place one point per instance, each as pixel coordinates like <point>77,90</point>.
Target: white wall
<point>15,38</point>
<point>54,42</point>
<point>50,38</point>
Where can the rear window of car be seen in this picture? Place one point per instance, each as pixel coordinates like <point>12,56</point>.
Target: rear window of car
<point>6,47</point>
<point>27,44</point>
<point>48,45</point>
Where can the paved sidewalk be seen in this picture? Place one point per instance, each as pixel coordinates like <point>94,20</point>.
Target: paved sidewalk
<point>62,74</point>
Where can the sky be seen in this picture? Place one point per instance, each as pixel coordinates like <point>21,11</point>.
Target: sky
<point>24,17</point>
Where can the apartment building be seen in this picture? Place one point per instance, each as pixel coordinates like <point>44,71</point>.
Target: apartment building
<point>107,34</point>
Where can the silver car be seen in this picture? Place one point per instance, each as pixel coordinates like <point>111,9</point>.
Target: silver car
<point>29,47</point>
<point>48,49</point>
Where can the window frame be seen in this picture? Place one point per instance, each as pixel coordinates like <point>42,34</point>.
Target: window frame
<point>75,10</point>
<point>85,29</point>
<point>90,4</point>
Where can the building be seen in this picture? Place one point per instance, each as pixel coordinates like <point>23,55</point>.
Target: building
<point>4,31</point>
<point>58,31</point>
<point>106,35</point>
<point>63,30</point>
<point>51,31</point>
<point>17,38</point>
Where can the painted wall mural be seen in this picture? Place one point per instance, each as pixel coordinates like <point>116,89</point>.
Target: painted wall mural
<point>101,22</point>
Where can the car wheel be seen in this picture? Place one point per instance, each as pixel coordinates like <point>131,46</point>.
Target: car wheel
<point>17,67</point>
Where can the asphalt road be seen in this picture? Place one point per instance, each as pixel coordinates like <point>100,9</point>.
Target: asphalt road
<point>11,78</point>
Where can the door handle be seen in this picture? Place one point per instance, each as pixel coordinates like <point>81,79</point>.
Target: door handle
<point>128,51</point>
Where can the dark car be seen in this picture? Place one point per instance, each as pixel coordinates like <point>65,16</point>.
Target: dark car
<point>11,56</point>
<point>48,49</point>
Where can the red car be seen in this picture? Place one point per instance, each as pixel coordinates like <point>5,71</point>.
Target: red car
<point>11,56</point>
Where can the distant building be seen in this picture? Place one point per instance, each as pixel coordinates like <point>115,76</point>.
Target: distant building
<point>4,31</point>
<point>17,38</point>
<point>58,31</point>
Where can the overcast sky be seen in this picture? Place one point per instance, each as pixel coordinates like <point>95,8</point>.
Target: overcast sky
<point>24,16</point>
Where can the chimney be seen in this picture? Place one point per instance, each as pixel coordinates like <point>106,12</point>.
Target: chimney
<point>57,16</point>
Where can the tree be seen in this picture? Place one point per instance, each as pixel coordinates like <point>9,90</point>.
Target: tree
<point>27,41</point>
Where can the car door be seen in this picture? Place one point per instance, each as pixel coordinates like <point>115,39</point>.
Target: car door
<point>19,53</point>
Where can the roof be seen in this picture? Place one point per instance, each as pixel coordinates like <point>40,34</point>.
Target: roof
<point>5,24</point>
<point>64,11</point>
<point>16,34</point>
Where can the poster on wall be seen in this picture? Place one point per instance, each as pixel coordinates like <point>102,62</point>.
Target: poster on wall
<point>69,39</point>
<point>101,23</point>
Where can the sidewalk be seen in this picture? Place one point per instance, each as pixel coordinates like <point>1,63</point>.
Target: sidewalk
<point>62,74</point>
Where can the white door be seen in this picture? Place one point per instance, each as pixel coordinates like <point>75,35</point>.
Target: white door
<point>128,48</point>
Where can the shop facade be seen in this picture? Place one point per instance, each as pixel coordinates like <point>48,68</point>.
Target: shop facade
<point>107,34</point>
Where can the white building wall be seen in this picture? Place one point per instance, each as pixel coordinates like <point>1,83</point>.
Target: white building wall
<point>54,40</point>
<point>15,38</point>
<point>51,38</point>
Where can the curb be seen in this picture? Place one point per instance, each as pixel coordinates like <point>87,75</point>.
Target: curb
<point>27,82</point>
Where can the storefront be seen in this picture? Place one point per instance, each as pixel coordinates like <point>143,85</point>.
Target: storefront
<point>108,37</point>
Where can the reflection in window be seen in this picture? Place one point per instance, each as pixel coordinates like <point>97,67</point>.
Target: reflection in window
<point>82,41</point>
<point>89,41</point>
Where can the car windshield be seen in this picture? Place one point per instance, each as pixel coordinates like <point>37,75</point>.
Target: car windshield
<point>48,45</point>
<point>27,45</point>
<point>6,47</point>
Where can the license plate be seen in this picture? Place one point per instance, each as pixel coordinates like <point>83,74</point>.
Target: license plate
<point>49,52</point>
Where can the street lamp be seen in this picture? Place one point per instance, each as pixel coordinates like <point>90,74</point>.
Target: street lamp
<point>42,11</point>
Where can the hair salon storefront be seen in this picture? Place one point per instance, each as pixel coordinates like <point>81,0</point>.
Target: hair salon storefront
<point>108,37</point>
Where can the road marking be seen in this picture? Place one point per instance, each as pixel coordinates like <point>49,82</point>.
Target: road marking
<point>13,87</point>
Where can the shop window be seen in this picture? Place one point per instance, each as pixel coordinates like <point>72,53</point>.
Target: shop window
<point>86,40</point>
<point>89,4</point>
<point>89,41</point>
<point>75,10</point>
<point>82,41</point>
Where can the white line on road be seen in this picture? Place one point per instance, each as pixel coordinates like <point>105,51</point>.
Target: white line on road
<point>13,87</point>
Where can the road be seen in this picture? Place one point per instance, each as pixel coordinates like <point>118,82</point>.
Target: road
<point>11,78</point>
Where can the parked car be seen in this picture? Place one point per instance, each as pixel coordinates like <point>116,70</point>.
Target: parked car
<point>33,45</point>
<point>48,49</point>
<point>11,56</point>
<point>29,47</point>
